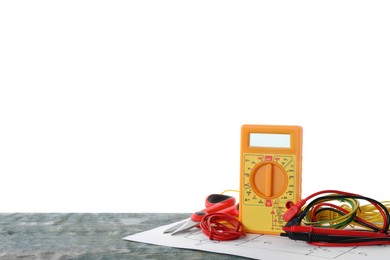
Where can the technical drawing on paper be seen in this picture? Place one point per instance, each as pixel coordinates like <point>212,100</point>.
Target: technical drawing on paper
<point>260,246</point>
<point>281,244</point>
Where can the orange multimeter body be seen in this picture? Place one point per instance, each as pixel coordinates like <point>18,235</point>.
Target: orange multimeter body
<point>270,175</point>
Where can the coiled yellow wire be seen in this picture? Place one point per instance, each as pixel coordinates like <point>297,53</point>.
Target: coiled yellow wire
<point>331,219</point>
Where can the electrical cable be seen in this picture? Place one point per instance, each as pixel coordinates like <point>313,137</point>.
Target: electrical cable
<point>222,227</point>
<point>327,224</point>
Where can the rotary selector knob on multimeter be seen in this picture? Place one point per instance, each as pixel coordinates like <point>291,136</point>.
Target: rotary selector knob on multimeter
<point>268,179</point>
<point>271,166</point>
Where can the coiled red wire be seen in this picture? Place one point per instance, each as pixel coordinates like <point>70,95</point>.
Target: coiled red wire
<point>222,227</point>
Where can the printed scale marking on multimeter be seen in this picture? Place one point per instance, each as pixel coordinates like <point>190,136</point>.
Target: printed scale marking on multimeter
<point>271,159</point>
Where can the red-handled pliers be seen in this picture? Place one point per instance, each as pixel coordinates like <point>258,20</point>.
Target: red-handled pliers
<point>214,203</point>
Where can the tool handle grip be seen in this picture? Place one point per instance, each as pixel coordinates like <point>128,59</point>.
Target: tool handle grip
<point>214,203</point>
<point>231,211</point>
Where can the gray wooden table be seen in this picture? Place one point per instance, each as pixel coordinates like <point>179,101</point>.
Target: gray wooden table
<point>87,236</point>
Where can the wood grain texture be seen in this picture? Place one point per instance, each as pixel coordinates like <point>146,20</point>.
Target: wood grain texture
<point>87,236</point>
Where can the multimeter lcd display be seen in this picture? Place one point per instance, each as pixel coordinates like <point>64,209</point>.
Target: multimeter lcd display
<point>269,140</point>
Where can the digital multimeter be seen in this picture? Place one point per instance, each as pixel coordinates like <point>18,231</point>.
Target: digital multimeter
<point>270,175</point>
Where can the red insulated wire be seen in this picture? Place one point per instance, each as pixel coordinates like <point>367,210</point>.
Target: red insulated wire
<point>336,232</point>
<point>368,243</point>
<point>329,191</point>
<point>315,208</point>
<point>294,209</point>
<point>220,226</point>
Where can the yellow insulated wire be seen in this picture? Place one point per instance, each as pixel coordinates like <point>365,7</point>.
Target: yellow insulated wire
<point>367,212</point>
<point>328,218</point>
<point>225,191</point>
<point>371,214</point>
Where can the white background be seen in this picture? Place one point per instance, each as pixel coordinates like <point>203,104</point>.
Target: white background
<point>136,106</point>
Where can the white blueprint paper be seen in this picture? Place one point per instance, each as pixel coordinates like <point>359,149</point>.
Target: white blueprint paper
<point>265,247</point>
